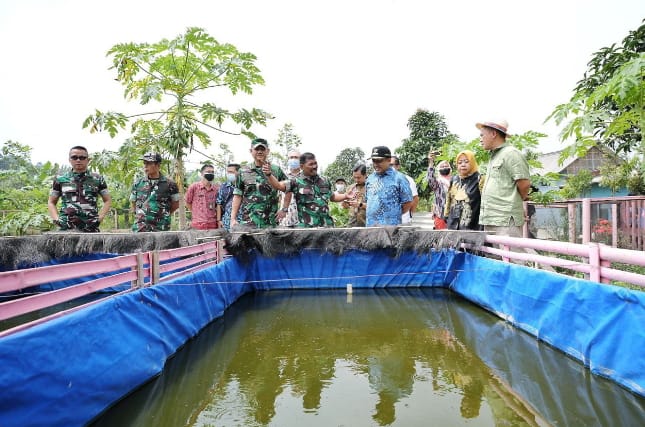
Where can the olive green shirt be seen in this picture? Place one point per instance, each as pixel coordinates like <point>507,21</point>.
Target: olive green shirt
<point>501,200</point>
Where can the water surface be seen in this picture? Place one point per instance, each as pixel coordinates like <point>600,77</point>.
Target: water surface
<point>405,357</point>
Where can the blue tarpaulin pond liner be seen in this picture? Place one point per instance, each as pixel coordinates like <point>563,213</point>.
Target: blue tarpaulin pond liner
<point>67,371</point>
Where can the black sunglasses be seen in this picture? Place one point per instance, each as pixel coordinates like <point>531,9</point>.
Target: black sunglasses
<point>78,157</point>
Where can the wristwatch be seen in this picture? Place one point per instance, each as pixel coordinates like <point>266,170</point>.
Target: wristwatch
<point>285,209</point>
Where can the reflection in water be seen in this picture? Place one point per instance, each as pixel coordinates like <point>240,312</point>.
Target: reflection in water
<point>396,357</point>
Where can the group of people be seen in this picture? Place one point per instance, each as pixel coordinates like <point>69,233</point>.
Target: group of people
<point>262,195</point>
<point>471,201</point>
<point>153,197</point>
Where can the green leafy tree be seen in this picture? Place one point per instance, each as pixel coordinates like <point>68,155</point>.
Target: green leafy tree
<point>613,176</point>
<point>184,70</point>
<point>120,169</point>
<point>428,131</point>
<point>287,140</point>
<point>342,166</point>
<point>577,185</point>
<point>25,189</point>
<point>608,104</point>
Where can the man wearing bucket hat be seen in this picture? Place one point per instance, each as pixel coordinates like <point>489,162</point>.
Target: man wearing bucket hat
<point>387,192</point>
<point>507,181</point>
<point>154,197</point>
<point>253,195</point>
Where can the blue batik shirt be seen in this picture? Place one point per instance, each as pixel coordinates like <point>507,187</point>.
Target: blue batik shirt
<point>385,194</point>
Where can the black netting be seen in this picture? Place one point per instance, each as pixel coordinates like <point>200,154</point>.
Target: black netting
<point>28,251</point>
<point>283,241</point>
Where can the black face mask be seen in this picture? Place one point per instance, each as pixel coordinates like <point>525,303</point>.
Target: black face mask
<point>209,176</point>
<point>444,171</point>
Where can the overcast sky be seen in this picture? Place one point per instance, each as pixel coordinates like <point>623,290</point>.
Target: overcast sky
<point>345,73</point>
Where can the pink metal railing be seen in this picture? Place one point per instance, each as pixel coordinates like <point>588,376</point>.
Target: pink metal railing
<point>145,269</point>
<point>595,263</point>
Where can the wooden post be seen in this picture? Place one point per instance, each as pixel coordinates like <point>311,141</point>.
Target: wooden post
<point>586,220</point>
<point>614,225</point>
<point>571,211</point>
<point>525,227</point>
<point>154,267</point>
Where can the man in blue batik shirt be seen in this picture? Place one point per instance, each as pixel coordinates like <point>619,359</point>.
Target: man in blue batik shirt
<point>387,192</point>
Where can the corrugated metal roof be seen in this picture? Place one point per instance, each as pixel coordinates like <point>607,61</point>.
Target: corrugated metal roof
<point>550,163</point>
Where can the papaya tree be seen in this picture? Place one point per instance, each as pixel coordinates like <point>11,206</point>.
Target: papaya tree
<point>608,104</point>
<point>181,77</point>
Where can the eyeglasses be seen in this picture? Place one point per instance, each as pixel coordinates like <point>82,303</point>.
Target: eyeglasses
<point>78,157</point>
<point>380,160</point>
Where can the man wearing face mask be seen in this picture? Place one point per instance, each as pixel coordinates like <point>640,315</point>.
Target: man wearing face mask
<point>201,200</point>
<point>439,186</point>
<point>340,185</point>
<point>288,213</point>
<point>225,197</point>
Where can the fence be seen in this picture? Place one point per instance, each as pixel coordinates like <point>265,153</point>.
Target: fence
<point>625,216</point>
<point>143,269</point>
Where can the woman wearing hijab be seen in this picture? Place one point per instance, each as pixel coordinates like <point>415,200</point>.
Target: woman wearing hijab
<point>463,199</point>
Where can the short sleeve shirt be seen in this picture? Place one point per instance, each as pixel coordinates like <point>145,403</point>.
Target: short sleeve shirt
<point>259,200</point>
<point>385,193</point>
<point>79,193</point>
<point>312,196</point>
<point>500,199</point>
<point>203,201</point>
<point>153,200</point>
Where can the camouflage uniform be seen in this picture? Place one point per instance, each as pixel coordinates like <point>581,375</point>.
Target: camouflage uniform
<point>79,193</point>
<point>312,194</point>
<point>153,199</point>
<point>259,200</point>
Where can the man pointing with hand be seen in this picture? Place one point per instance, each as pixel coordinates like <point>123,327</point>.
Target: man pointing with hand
<point>253,195</point>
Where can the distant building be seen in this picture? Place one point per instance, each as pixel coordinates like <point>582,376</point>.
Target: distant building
<point>554,219</point>
<point>592,162</point>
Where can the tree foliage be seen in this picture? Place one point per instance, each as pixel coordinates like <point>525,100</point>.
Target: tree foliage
<point>25,189</point>
<point>428,131</point>
<point>342,166</point>
<point>287,140</point>
<point>608,104</point>
<point>577,185</point>
<point>184,71</point>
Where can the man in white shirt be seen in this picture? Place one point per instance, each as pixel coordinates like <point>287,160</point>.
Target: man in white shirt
<point>406,218</point>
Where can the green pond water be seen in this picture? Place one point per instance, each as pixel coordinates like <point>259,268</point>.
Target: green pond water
<point>403,357</point>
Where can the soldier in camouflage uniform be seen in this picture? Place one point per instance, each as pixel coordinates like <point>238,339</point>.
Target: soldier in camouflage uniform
<point>311,191</point>
<point>253,194</point>
<point>154,197</point>
<point>79,190</point>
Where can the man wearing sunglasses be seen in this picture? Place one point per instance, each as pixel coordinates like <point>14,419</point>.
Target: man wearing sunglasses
<point>79,191</point>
